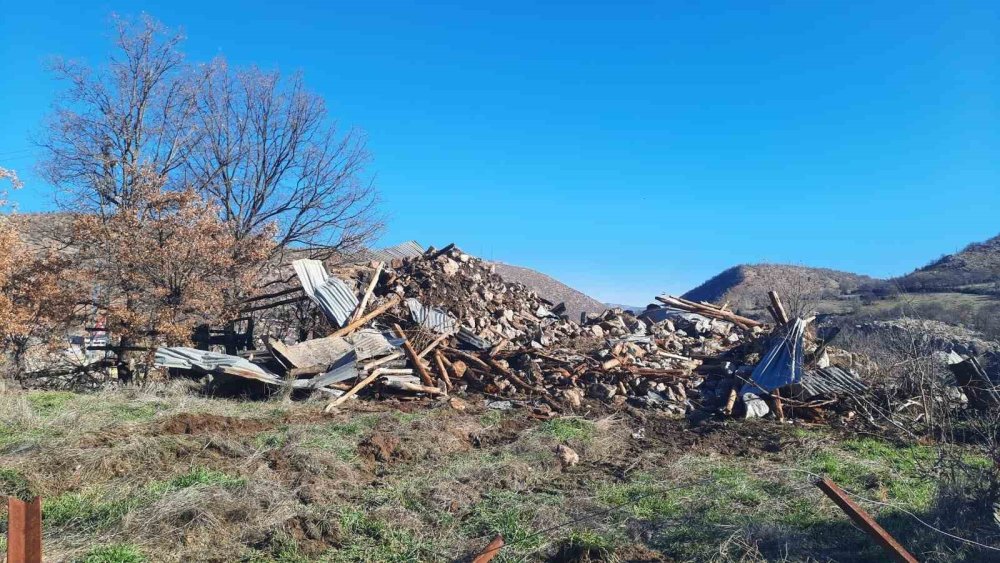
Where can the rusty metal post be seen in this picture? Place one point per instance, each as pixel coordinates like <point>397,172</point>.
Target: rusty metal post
<point>865,521</point>
<point>490,552</point>
<point>24,530</point>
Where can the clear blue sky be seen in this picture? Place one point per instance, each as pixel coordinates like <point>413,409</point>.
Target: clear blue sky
<point>625,148</point>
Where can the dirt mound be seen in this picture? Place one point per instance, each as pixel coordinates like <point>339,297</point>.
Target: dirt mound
<point>203,423</point>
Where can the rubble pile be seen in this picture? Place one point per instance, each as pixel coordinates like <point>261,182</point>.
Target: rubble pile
<point>470,289</point>
<point>443,322</point>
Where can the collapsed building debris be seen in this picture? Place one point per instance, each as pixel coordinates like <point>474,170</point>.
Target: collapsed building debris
<point>442,321</point>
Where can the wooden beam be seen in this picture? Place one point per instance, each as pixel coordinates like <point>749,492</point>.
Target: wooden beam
<point>433,345</point>
<point>24,530</point>
<point>418,364</point>
<point>865,521</point>
<point>360,310</point>
<point>351,327</point>
<point>354,390</point>
<point>439,361</point>
<point>778,307</point>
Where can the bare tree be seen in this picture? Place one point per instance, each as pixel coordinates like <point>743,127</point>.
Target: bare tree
<point>128,119</point>
<point>270,155</point>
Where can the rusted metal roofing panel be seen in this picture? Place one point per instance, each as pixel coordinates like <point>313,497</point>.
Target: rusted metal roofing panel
<point>431,318</point>
<point>831,381</point>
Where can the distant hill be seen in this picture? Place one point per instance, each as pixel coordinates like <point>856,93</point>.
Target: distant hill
<point>975,269</point>
<point>745,287</point>
<point>632,308</point>
<point>551,289</point>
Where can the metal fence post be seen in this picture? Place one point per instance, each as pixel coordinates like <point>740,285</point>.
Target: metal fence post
<point>24,530</point>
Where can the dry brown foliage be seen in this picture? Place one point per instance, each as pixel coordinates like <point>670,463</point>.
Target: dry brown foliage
<point>36,291</point>
<point>166,264</point>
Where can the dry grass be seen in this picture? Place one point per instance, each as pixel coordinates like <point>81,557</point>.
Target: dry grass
<point>163,475</point>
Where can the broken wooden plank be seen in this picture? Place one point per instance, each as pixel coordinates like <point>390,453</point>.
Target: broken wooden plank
<point>779,309</point>
<point>413,387</point>
<point>433,345</point>
<point>439,361</point>
<point>354,390</point>
<point>367,295</point>
<point>351,327</point>
<point>413,357</point>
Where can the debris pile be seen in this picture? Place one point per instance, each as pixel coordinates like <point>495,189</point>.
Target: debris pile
<point>442,322</point>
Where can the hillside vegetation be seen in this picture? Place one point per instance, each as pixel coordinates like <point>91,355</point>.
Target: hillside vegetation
<point>745,287</point>
<point>975,269</point>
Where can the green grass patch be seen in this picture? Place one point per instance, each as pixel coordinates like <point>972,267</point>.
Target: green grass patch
<point>340,437</point>
<point>47,403</point>
<point>510,514</point>
<point>135,413</point>
<point>198,477</point>
<point>271,440</point>
<point>569,428</point>
<point>114,553</point>
<point>370,539</point>
<point>643,497</point>
<point>16,435</point>
<point>588,545</point>
<point>900,474</point>
<point>87,510</point>
<point>13,484</point>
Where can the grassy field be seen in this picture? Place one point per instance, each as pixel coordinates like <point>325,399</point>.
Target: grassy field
<point>164,475</point>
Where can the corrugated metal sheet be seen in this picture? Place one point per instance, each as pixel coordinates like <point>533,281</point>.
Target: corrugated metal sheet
<point>332,295</point>
<point>345,368</point>
<point>180,357</point>
<point>831,381</point>
<point>431,318</point>
<point>369,343</point>
<point>472,339</point>
<point>782,365</point>
<point>408,249</point>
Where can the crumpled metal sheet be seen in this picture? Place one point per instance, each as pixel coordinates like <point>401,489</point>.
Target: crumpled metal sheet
<point>334,297</point>
<point>431,318</point>
<point>181,357</point>
<point>782,365</point>
<point>345,368</point>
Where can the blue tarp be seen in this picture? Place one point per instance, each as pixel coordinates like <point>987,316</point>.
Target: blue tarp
<point>781,366</point>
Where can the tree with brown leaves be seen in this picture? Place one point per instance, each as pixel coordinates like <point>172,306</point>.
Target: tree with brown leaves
<point>37,296</point>
<point>165,265</point>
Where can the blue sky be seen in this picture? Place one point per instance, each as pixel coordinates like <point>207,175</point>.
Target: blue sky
<point>625,148</point>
